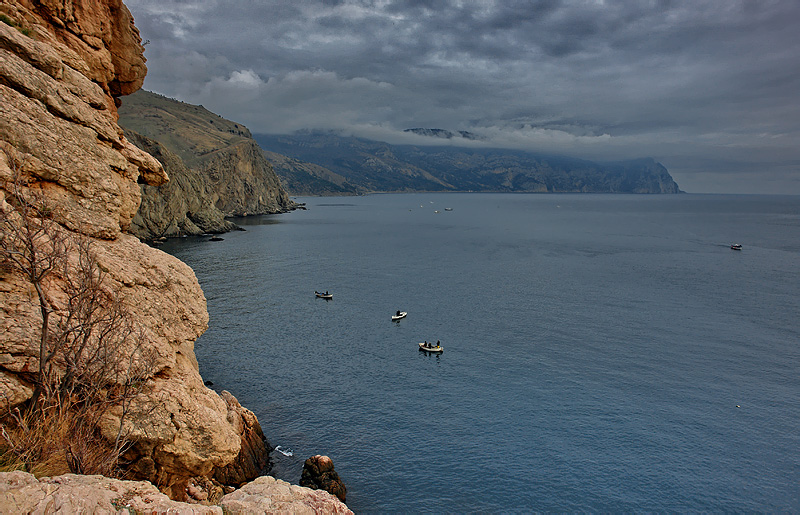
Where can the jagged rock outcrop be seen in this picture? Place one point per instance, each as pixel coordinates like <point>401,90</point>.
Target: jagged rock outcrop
<point>63,64</point>
<point>217,168</point>
<point>318,473</point>
<point>269,495</point>
<point>21,492</point>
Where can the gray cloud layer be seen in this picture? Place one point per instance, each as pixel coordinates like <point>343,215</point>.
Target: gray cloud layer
<point>708,87</point>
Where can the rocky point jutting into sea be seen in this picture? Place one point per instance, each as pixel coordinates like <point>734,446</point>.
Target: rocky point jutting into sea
<point>63,67</point>
<point>216,169</point>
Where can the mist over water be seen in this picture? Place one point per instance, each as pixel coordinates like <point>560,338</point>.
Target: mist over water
<point>601,352</point>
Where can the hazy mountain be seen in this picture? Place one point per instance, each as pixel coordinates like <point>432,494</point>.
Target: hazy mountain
<point>369,166</point>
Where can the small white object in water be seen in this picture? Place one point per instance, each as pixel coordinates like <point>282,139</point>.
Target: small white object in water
<point>285,452</point>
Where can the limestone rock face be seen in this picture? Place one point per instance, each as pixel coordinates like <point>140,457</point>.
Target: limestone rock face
<point>21,492</point>
<point>253,456</point>
<point>318,473</point>
<point>59,118</point>
<point>63,64</point>
<point>269,495</point>
<point>217,168</point>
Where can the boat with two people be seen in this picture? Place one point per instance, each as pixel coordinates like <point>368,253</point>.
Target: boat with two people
<point>326,295</point>
<point>430,347</point>
<point>736,246</point>
<point>399,316</point>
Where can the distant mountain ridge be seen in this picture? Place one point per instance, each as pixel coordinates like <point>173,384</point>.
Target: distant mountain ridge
<point>443,133</point>
<point>364,166</point>
<point>219,169</point>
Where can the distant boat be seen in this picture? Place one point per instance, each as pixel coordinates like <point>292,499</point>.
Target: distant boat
<point>326,295</point>
<point>736,246</point>
<point>429,347</point>
<point>448,209</point>
<point>399,316</point>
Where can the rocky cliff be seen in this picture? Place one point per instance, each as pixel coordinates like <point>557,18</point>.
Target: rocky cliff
<point>63,66</point>
<point>216,168</point>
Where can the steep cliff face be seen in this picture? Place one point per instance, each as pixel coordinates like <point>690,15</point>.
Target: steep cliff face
<point>63,63</point>
<point>217,169</point>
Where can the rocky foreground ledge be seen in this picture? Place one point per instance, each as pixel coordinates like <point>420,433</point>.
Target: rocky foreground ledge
<point>21,492</point>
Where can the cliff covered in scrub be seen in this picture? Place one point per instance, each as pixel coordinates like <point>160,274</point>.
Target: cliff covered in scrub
<point>88,313</point>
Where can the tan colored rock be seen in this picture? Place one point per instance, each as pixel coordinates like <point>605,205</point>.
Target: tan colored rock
<point>253,457</point>
<point>269,495</point>
<point>14,390</point>
<point>21,492</point>
<point>63,132</point>
<point>63,64</point>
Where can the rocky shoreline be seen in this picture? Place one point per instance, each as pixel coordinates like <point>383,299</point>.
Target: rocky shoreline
<point>21,492</point>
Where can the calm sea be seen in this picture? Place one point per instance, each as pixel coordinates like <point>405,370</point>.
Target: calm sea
<point>602,353</point>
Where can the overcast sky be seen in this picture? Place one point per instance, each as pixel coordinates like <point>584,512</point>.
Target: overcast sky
<point>710,88</point>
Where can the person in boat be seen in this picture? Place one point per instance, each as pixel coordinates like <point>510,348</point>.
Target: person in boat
<point>398,312</point>
<point>438,343</point>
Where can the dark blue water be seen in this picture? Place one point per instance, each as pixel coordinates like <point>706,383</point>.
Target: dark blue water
<point>601,352</point>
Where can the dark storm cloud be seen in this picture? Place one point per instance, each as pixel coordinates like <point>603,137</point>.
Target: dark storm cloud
<point>703,85</point>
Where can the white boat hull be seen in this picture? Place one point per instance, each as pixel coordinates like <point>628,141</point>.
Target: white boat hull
<point>437,348</point>
<point>401,316</point>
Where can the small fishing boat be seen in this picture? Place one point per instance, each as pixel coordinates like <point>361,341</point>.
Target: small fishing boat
<point>399,316</point>
<point>448,209</point>
<point>430,347</point>
<point>326,295</point>
<point>736,246</point>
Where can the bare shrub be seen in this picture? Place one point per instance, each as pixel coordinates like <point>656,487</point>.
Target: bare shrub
<point>92,359</point>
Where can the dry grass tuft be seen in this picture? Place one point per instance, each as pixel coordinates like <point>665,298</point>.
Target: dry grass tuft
<point>55,441</point>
